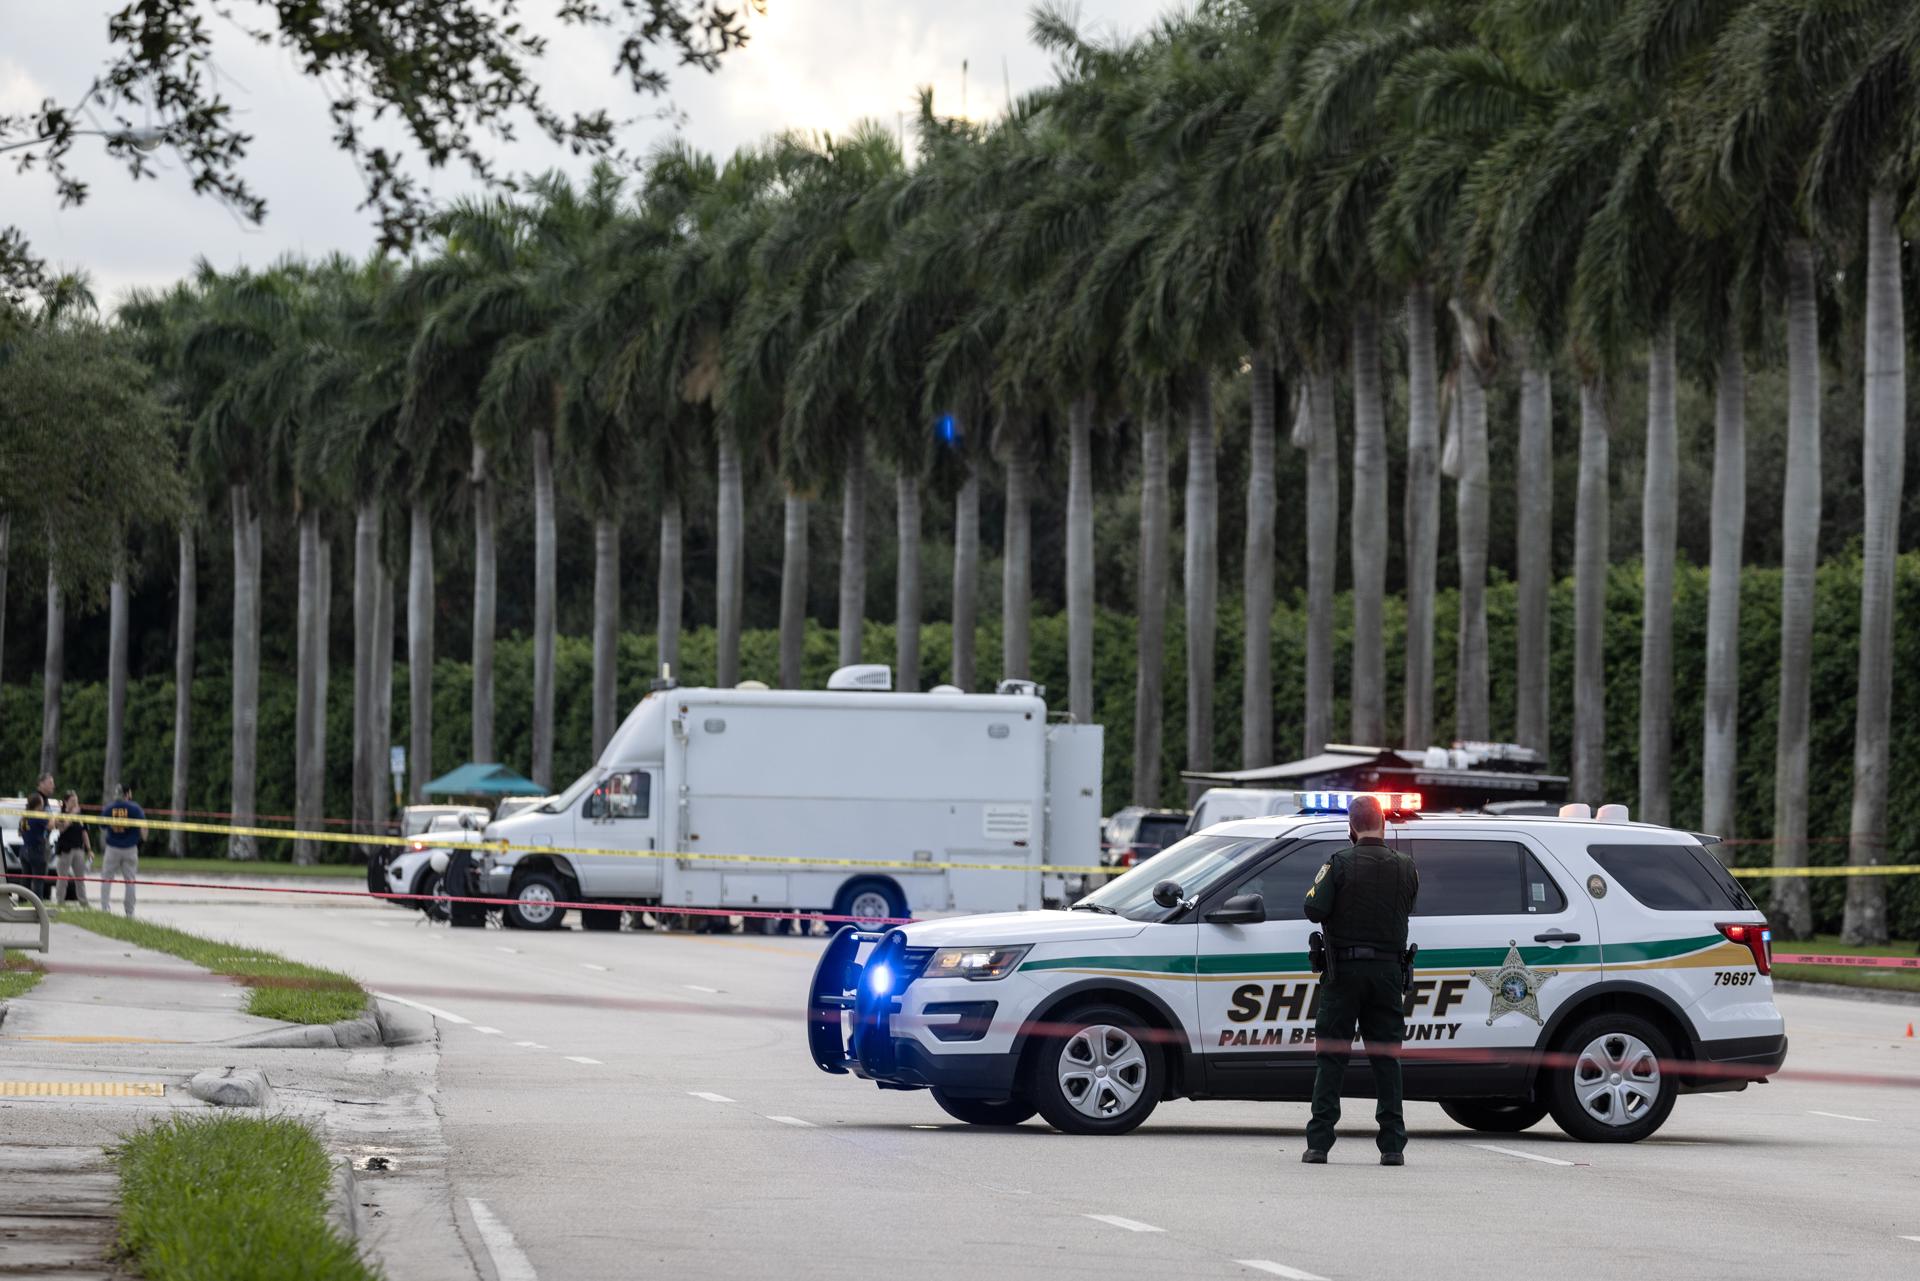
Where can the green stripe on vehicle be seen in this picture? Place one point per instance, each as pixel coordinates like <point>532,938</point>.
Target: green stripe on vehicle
<point>1454,958</point>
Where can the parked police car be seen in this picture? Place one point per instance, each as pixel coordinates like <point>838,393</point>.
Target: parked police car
<point>1623,951</point>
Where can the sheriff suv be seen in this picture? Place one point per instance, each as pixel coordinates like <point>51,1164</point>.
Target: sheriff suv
<point>1589,969</point>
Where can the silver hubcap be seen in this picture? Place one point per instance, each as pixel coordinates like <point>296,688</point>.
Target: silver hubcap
<point>536,902</point>
<point>1103,1071</point>
<point>1617,1079</point>
<point>439,905</point>
<point>870,905</point>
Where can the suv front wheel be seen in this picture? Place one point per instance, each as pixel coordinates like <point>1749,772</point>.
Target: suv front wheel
<point>1101,1074</point>
<point>1612,1079</point>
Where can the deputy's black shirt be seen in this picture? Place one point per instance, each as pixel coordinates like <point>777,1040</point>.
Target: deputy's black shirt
<point>1364,895</point>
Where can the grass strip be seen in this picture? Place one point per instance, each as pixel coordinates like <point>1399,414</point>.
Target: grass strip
<point>18,973</point>
<point>163,867</point>
<point>210,1198</point>
<point>1847,975</point>
<point>281,989</point>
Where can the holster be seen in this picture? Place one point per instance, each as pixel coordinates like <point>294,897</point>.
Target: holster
<point>1317,954</point>
<point>1406,968</point>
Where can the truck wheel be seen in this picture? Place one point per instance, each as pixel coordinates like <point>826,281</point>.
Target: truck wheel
<point>1101,1075</point>
<point>1495,1116</point>
<point>1610,1085</point>
<point>600,919</point>
<point>871,901</point>
<point>431,882</point>
<point>533,903</point>
<point>984,1111</point>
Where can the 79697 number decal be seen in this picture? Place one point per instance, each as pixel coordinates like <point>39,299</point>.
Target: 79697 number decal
<point>1732,978</point>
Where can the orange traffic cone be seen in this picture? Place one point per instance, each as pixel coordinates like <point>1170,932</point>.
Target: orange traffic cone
<point>1909,1029</point>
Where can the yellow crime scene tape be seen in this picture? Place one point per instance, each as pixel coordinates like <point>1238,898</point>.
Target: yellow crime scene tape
<point>783,860</point>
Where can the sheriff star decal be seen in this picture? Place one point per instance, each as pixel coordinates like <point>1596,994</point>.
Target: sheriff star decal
<point>1514,986</point>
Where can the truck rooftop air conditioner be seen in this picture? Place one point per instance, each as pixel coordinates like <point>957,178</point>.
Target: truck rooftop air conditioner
<point>863,676</point>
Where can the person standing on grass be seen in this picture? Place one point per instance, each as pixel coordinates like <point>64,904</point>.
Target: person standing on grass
<point>125,827</point>
<point>33,837</point>
<point>73,850</point>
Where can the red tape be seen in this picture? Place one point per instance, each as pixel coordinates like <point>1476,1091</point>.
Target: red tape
<point>1870,962</point>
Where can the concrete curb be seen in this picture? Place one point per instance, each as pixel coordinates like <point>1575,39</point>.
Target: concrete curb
<point>1881,996</point>
<point>232,1088</point>
<point>343,1201</point>
<point>380,1025</point>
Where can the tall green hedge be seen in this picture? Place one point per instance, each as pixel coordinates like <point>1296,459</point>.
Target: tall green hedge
<point>150,703</point>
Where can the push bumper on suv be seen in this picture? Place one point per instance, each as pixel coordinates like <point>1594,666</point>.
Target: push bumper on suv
<point>851,1006</point>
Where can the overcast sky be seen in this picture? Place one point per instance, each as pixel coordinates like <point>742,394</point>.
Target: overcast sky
<point>813,64</point>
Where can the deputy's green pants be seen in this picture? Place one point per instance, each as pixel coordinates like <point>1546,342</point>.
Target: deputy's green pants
<point>1366,995</point>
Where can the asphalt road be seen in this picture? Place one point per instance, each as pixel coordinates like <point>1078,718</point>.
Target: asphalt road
<point>685,1132</point>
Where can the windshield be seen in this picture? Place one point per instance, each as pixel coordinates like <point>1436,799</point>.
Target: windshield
<point>564,802</point>
<point>1194,863</point>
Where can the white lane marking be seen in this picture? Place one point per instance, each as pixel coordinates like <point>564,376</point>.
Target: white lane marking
<point>530,1045</point>
<point>1528,1156</point>
<point>1279,1270</point>
<point>1910,1238</point>
<point>1842,1116</point>
<point>510,1262</point>
<point>792,1120</point>
<point>1131,1225</point>
<point>710,1097</point>
<point>514,950</point>
<point>581,1058</point>
<point>386,924</point>
<point>437,1013</point>
<point>589,965</point>
<point>490,1031</point>
<point>695,987</point>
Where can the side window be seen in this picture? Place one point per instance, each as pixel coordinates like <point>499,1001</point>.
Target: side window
<point>1481,878</point>
<point>1671,878</point>
<point>1284,883</point>
<point>622,794</point>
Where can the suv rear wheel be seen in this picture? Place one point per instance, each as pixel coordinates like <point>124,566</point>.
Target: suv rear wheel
<point>985,1111</point>
<point>1611,1080</point>
<point>1495,1116</point>
<point>1102,1074</point>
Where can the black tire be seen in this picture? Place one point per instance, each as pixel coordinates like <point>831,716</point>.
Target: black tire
<point>985,1111</point>
<point>600,919</point>
<point>639,922</point>
<point>1624,1113</point>
<point>523,915</point>
<point>862,896</point>
<point>766,925</point>
<point>1141,1074</point>
<point>429,882</point>
<point>1495,1116</point>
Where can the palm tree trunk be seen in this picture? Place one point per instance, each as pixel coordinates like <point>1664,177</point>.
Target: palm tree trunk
<point>729,563</point>
<point>1590,600</point>
<point>246,664</point>
<point>6,532</point>
<point>485,581</point>
<point>322,640</point>
<point>1884,450</point>
<point>1472,715</point>
<point>1080,559</point>
<point>366,592</point>
<point>1534,553</point>
<point>1791,910</point>
<point>53,673</point>
<point>186,609</point>
<point>306,808</point>
<point>1659,514</point>
<point>544,588</point>
<point>966,577</point>
<point>1369,712</point>
<point>1323,537</point>
<point>1016,579</point>
<point>1202,570</point>
<point>1421,515</point>
<point>419,652</point>
<point>906,582</point>
<point>672,586</point>
<point>116,682</point>
<point>853,554</point>
<point>1256,688</point>
<point>1729,514</point>
<point>1149,696</point>
<point>793,592</point>
<point>606,631</point>
<point>382,730</point>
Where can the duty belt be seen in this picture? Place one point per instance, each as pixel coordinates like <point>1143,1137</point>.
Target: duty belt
<point>1364,953</point>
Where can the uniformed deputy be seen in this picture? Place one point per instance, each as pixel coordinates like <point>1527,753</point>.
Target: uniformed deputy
<point>1362,898</point>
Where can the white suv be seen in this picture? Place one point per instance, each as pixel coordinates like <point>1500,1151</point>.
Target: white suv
<point>1593,970</point>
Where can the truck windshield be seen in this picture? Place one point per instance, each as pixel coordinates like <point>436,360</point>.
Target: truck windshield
<point>1194,863</point>
<point>564,802</point>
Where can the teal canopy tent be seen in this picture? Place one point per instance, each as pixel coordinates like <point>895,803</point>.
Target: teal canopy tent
<point>482,780</point>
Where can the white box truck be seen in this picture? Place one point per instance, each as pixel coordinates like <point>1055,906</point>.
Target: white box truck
<point>840,774</point>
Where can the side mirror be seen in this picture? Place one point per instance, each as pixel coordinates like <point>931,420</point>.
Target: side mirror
<point>1241,909</point>
<point>1168,894</point>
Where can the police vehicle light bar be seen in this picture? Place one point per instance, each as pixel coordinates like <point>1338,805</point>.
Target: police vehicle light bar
<point>1340,802</point>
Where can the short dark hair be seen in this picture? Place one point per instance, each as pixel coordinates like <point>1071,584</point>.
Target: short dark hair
<point>1365,814</point>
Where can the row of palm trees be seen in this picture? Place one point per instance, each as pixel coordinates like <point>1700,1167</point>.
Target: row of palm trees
<point>1292,191</point>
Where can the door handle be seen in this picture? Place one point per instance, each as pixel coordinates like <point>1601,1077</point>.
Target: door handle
<point>1556,936</point>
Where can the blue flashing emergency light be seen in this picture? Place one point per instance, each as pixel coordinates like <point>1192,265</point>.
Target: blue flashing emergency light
<point>880,980</point>
<point>1341,802</point>
<point>947,428</point>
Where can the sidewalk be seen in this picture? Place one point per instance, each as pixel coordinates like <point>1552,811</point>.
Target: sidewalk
<point>85,1058</point>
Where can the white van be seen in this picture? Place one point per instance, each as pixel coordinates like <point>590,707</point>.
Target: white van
<point>838,776</point>
<point>1225,804</point>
